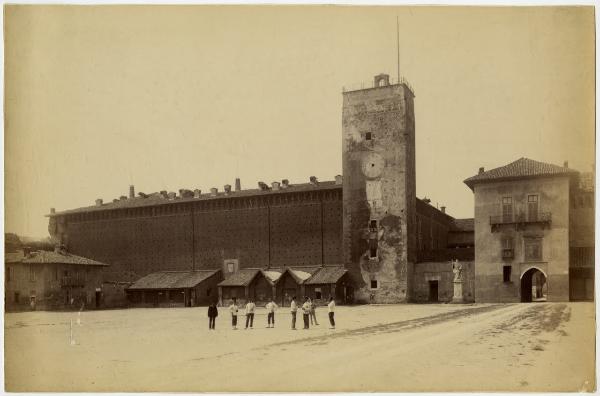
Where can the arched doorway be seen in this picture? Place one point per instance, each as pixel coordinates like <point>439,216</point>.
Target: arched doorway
<point>534,286</point>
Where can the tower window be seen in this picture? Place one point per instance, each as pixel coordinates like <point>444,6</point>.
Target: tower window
<point>368,136</point>
<point>374,284</point>
<point>373,225</point>
<point>506,270</point>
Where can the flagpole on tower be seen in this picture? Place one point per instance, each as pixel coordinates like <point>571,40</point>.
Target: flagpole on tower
<point>398,46</point>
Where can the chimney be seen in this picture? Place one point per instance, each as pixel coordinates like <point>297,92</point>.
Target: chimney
<point>52,210</point>
<point>481,170</point>
<point>566,164</point>
<point>285,183</point>
<point>213,192</point>
<point>163,194</point>
<point>314,181</point>
<point>227,188</point>
<point>443,209</point>
<point>238,184</point>
<point>338,179</point>
<point>197,193</point>
<point>131,192</point>
<point>263,186</point>
<point>426,200</point>
<point>275,186</point>
<point>99,202</point>
<point>171,195</point>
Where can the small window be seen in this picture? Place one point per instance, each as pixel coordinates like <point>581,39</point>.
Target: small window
<point>208,291</point>
<point>8,273</point>
<point>507,243</point>
<point>374,284</point>
<point>32,273</point>
<point>507,209</point>
<point>506,271</point>
<point>318,294</point>
<point>532,207</point>
<point>368,136</point>
<point>533,249</point>
<point>55,273</point>
<point>16,297</point>
<point>373,224</point>
<point>372,248</point>
<point>230,267</point>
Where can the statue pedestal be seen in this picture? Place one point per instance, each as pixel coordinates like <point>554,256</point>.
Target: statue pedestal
<point>458,293</point>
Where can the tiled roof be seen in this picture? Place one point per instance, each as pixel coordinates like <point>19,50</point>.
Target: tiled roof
<point>272,275</point>
<point>157,199</point>
<point>47,257</point>
<point>172,279</point>
<point>521,168</point>
<point>464,224</point>
<point>326,275</point>
<point>242,277</point>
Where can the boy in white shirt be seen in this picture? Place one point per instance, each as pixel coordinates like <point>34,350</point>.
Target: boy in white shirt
<point>271,307</point>
<point>331,309</point>
<point>233,308</point>
<point>250,313</point>
<point>293,310</point>
<point>306,312</point>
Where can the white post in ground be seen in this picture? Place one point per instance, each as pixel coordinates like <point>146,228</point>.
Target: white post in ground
<point>71,340</point>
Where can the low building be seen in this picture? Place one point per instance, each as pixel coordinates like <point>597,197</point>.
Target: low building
<point>248,283</point>
<point>51,280</point>
<point>533,233</point>
<point>175,289</point>
<point>330,281</point>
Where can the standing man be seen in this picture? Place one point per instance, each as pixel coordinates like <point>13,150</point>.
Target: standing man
<point>250,313</point>
<point>294,310</point>
<point>213,312</point>
<point>331,308</point>
<point>313,313</point>
<point>271,307</point>
<point>306,312</point>
<point>233,308</point>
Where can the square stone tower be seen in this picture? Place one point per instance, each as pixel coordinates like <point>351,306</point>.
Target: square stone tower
<point>378,127</point>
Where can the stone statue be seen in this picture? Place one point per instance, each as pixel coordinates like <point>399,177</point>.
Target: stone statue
<point>457,269</point>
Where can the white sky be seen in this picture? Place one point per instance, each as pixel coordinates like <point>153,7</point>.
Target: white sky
<point>98,98</point>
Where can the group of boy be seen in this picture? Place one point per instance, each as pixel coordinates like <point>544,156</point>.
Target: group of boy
<point>308,313</point>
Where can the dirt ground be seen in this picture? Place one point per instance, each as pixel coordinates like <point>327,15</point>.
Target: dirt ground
<point>393,348</point>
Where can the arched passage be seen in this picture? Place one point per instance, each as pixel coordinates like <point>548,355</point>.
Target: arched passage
<point>534,285</point>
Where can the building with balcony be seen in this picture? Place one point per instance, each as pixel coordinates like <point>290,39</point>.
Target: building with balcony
<point>526,229</point>
<point>51,280</point>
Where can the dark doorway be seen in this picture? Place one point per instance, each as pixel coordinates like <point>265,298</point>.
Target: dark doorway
<point>534,286</point>
<point>433,291</point>
<point>98,298</point>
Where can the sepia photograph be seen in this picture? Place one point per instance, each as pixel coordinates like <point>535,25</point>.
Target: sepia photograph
<point>299,198</point>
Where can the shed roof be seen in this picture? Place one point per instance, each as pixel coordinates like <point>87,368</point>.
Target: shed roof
<point>48,257</point>
<point>327,275</point>
<point>241,277</point>
<point>521,168</point>
<point>172,279</point>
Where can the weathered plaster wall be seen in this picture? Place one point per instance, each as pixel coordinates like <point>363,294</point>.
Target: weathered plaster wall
<point>443,274</point>
<point>379,184</point>
<point>553,197</point>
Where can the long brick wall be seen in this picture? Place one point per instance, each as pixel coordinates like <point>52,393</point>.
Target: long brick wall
<point>275,230</point>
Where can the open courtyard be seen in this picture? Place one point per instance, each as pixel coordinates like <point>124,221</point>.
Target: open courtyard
<point>394,348</point>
